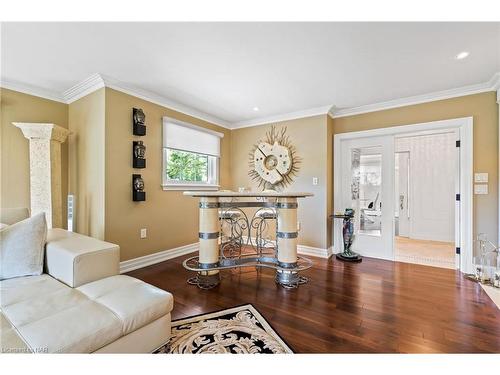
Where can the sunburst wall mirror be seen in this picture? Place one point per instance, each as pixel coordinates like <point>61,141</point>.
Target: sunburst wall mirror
<point>274,161</point>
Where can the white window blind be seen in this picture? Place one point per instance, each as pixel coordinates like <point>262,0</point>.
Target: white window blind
<point>186,137</point>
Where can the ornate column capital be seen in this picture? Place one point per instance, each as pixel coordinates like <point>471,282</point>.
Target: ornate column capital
<point>33,130</point>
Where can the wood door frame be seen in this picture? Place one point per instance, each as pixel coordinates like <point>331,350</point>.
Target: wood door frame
<point>465,128</point>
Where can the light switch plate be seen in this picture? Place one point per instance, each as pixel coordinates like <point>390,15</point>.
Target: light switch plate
<point>315,180</point>
<point>480,177</point>
<point>480,189</point>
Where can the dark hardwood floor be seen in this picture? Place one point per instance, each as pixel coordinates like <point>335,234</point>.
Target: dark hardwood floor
<point>373,306</point>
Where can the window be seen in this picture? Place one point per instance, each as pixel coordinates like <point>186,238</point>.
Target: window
<point>190,156</point>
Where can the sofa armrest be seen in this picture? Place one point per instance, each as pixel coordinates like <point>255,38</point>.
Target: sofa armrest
<point>76,259</point>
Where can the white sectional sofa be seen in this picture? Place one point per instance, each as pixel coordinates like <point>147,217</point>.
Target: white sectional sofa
<point>81,304</point>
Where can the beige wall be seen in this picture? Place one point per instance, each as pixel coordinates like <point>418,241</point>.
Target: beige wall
<point>86,162</point>
<point>15,170</point>
<point>484,110</point>
<point>309,135</point>
<point>171,219</point>
<point>100,164</point>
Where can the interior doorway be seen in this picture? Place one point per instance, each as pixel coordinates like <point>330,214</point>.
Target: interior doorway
<point>425,183</point>
<point>435,218</point>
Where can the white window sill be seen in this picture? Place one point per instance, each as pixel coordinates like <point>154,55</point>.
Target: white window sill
<point>189,187</point>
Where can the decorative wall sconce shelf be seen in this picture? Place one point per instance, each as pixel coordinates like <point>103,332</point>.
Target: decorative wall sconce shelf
<point>139,122</point>
<point>138,154</point>
<point>138,193</point>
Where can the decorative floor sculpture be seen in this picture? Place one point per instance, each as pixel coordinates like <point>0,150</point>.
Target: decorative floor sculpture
<point>348,236</point>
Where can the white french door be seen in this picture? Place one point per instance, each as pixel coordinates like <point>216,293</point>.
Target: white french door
<point>364,165</point>
<point>367,186</point>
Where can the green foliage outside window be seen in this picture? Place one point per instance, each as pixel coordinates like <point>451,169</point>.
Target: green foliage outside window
<point>186,166</point>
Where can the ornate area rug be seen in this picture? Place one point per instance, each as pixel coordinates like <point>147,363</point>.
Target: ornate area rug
<point>237,330</point>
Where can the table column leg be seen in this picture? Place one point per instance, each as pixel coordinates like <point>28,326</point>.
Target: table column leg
<point>286,239</point>
<point>208,242</point>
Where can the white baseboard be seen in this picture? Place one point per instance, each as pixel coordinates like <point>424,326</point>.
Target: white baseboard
<point>315,251</point>
<point>306,250</point>
<point>148,260</point>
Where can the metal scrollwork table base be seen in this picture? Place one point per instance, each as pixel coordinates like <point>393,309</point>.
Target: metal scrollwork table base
<point>231,238</point>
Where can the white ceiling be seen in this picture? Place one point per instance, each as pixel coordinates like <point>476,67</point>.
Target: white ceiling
<point>227,69</point>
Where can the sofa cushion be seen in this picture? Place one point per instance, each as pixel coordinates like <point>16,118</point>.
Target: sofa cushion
<point>10,339</point>
<point>133,301</point>
<point>76,259</point>
<point>51,317</point>
<point>22,247</point>
<point>21,289</point>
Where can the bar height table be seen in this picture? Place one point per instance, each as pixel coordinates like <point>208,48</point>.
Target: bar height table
<point>210,259</point>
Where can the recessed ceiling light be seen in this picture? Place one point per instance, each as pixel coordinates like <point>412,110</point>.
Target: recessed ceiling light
<point>256,109</point>
<point>462,55</point>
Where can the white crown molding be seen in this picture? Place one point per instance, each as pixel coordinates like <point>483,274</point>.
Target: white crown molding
<point>163,101</point>
<point>282,117</point>
<point>492,85</point>
<point>161,256</point>
<point>97,81</point>
<point>83,88</point>
<point>32,90</point>
<point>496,85</point>
<point>495,81</point>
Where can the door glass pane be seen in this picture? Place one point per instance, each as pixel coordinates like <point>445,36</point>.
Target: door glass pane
<point>366,189</point>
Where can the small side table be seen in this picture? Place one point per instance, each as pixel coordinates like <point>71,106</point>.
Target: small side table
<point>348,236</point>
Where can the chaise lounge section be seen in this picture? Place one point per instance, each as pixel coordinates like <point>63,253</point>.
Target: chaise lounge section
<point>81,304</point>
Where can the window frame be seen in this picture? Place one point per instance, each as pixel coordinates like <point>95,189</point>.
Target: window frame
<point>213,168</point>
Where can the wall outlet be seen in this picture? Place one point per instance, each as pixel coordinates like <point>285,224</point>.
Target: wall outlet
<point>144,233</point>
<point>315,180</point>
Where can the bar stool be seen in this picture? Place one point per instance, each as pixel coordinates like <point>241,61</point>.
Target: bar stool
<point>231,217</point>
<point>264,215</point>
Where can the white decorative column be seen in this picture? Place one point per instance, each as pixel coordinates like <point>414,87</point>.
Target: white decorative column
<point>208,241</point>
<point>45,169</point>
<point>286,240</point>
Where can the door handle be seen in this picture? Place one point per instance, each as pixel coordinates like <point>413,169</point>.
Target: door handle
<point>401,201</point>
